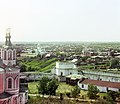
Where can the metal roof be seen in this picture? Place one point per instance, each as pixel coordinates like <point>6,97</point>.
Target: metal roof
<point>101,83</point>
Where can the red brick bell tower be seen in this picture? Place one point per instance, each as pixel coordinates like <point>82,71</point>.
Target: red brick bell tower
<point>8,56</point>
<point>10,75</point>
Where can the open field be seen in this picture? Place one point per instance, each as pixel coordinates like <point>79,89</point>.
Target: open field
<point>39,65</point>
<point>62,88</point>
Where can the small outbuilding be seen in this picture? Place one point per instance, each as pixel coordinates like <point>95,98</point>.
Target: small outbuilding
<point>73,79</point>
<point>103,86</point>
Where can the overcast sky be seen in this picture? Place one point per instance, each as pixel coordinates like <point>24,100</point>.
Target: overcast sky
<point>60,20</point>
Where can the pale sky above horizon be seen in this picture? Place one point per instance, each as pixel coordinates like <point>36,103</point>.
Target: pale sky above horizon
<point>60,20</point>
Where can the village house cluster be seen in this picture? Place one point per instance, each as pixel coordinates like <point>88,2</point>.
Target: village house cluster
<point>68,69</point>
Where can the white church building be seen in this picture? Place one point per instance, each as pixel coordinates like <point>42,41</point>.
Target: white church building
<point>64,69</point>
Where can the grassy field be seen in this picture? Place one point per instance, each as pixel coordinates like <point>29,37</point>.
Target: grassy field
<point>39,65</point>
<point>49,67</point>
<point>33,87</point>
<point>62,88</point>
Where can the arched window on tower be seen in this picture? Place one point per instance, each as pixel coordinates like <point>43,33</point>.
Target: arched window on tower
<point>5,102</point>
<point>14,55</point>
<point>20,99</point>
<point>9,101</point>
<point>2,54</point>
<point>15,100</point>
<point>9,55</point>
<point>5,53</point>
<point>16,82</point>
<point>9,83</point>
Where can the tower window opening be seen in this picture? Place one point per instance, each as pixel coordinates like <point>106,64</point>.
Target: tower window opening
<point>9,83</point>
<point>10,55</point>
<point>5,55</point>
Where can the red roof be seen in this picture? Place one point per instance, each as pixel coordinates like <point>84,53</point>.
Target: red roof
<point>101,83</point>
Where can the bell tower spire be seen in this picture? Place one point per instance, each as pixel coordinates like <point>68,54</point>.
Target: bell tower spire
<point>8,53</point>
<point>8,37</point>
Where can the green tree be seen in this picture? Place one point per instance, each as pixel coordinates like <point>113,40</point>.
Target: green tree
<point>52,86</point>
<point>92,91</point>
<point>108,63</point>
<point>47,86</point>
<point>109,99</point>
<point>75,91</point>
<point>42,86</point>
<point>30,68</point>
<point>112,95</point>
<point>23,68</point>
<point>114,63</point>
<point>85,58</point>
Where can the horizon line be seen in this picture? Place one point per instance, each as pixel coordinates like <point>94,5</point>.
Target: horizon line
<point>65,41</point>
